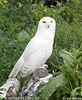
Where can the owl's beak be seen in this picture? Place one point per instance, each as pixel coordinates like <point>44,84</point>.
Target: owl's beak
<point>48,26</point>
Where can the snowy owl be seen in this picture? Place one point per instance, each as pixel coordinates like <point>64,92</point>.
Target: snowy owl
<point>38,50</point>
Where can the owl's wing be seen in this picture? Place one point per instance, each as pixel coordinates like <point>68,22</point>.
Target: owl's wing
<point>32,47</point>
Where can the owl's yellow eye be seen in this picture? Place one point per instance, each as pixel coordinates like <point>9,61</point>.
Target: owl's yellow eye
<point>51,21</point>
<point>43,22</point>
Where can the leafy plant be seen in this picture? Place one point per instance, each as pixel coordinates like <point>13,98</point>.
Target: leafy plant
<point>69,78</point>
<point>45,91</point>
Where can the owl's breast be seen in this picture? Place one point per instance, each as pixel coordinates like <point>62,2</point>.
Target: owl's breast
<point>39,44</point>
<point>48,48</point>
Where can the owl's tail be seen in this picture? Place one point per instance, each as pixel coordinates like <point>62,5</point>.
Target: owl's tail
<point>17,68</point>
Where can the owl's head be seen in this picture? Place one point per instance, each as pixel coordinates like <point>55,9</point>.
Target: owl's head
<point>47,24</point>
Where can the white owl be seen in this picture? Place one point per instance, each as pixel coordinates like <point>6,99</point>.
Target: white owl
<point>38,50</point>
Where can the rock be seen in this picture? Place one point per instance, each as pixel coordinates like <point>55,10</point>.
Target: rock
<point>9,89</point>
<point>40,75</point>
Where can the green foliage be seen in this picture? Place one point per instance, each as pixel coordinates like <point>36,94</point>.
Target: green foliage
<point>19,4</point>
<point>75,92</point>
<point>45,91</point>
<point>23,35</point>
<point>73,71</point>
<point>67,56</point>
<point>3,3</point>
